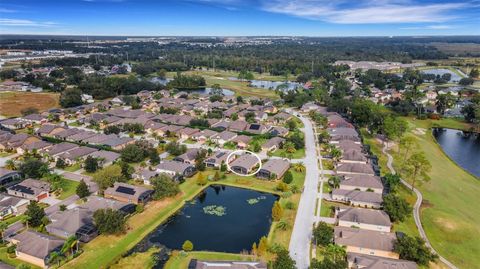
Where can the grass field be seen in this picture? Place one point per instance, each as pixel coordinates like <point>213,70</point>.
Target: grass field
<point>239,87</point>
<point>69,189</point>
<point>181,260</point>
<point>104,251</point>
<point>137,260</point>
<point>298,154</point>
<point>449,212</point>
<point>4,257</point>
<point>12,103</point>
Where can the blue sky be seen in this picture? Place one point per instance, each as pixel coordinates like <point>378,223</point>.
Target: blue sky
<point>241,17</point>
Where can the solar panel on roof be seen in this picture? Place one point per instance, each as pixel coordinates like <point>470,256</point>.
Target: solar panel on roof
<point>126,190</point>
<point>254,126</point>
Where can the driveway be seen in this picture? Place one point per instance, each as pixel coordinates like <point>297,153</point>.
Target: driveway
<point>3,160</point>
<point>302,230</point>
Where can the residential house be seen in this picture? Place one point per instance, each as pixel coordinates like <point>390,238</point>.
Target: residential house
<point>273,169</point>
<point>14,123</point>
<point>58,149</point>
<point>187,132</point>
<point>273,144</point>
<point>8,177</point>
<point>218,158</point>
<point>339,134</point>
<point>30,189</point>
<point>188,157</point>
<point>368,219</point>
<point>36,248</point>
<point>366,242</point>
<point>17,141</point>
<point>76,222</point>
<point>238,126</point>
<point>310,106</point>
<point>204,135</point>
<point>75,155</point>
<point>362,183</point>
<point>95,203</point>
<point>353,156</point>
<point>128,193</point>
<point>119,143</point>
<point>35,146</point>
<point>358,261</point>
<point>244,164</point>
<point>355,169</point>
<point>104,157</point>
<point>279,131</point>
<point>358,198</point>
<point>175,168</point>
<point>11,205</point>
<point>242,141</point>
<point>223,137</point>
<point>256,128</point>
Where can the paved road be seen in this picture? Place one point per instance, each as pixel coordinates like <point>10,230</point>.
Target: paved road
<point>302,230</point>
<point>416,209</point>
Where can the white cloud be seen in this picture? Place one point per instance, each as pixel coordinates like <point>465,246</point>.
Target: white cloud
<point>25,23</point>
<point>430,27</point>
<point>6,10</point>
<point>365,11</point>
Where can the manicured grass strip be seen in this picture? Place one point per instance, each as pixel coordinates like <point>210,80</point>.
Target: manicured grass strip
<point>181,259</point>
<point>298,154</point>
<point>69,189</point>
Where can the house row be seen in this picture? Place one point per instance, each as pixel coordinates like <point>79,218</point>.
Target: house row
<point>363,229</point>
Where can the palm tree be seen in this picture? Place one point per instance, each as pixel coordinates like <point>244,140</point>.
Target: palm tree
<point>334,182</point>
<point>55,257</point>
<point>69,244</point>
<point>10,164</point>
<point>299,167</point>
<point>335,252</point>
<point>336,154</point>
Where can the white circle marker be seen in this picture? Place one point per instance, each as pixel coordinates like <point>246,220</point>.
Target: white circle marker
<point>227,161</point>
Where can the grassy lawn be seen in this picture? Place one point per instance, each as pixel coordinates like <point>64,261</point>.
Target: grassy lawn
<point>68,189</point>
<point>137,260</point>
<point>182,259</point>
<point>107,250</point>
<point>73,168</point>
<point>11,219</point>
<point>189,141</point>
<point>449,213</point>
<point>326,209</point>
<point>298,154</point>
<point>5,154</point>
<point>12,103</point>
<point>282,237</point>
<point>239,87</point>
<point>12,261</point>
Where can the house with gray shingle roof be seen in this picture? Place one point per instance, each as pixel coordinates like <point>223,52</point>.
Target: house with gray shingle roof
<point>356,260</point>
<point>35,248</point>
<point>366,242</point>
<point>362,183</point>
<point>273,169</point>
<point>244,164</point>
<point>358,198</point>
<point>368,219</point>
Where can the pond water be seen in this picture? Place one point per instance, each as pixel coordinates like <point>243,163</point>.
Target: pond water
<point>272,85</point>
<point>440,71</point>
<point>221,218</point>
<point>463,148</point>
<point>161,81</point>
<point>225,92</point>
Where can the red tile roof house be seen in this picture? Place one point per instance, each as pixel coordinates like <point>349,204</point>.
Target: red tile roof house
<point>30,189</point>
<point>273,169</point>
<point>36,248</point>
<point>244,164</point>
<point>367,219</point>
<point>204,135</point>
<point>218,158</point>
<point>242,141</point>
<point>223,137</point>
<point>273,144</point>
